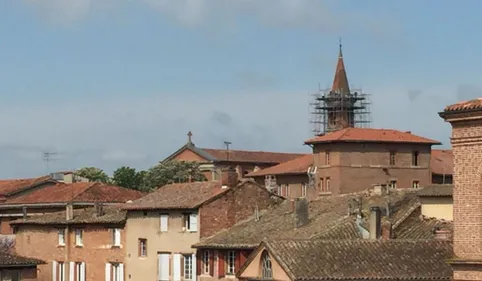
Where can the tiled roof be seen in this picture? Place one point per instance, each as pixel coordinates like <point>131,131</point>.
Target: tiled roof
<point>251,156</point>
<point>442,162</point>
<point>328,218</point>
<point>9,260</point>
<point>112,215</point>
<point>296,166</point>
<point>14,185</point>
<point>370,135</point>
<point>415,226</point>
<point>363,259</point>
<point>465,105</point>
<point>178,196</point>
<point>436,190</point>
<point>76,192</point>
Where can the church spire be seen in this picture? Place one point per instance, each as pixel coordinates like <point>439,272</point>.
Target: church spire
<point>340,82</point>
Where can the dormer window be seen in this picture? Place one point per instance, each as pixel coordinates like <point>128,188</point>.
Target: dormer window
<point>266,269</point>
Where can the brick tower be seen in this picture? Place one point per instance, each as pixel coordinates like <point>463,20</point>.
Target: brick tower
<point>466,121</point>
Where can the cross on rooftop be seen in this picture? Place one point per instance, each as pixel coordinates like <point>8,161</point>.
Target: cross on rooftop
<point>189,137</point>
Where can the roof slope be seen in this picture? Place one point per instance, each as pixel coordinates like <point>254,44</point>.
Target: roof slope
<point>363,259</point>
<point>340,81</point>
<point>112,214</point>
<point>328,218</point>
<point>464,106</point>
<point>77,192</point>
<point>442,161</point>
<point>11,186</point>
<point>370,135</point>
<point>296,166</point>
<point>178,196</point>
<point>436,190</point>
<point>8,259</point>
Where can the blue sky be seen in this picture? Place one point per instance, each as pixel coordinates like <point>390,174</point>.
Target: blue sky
<point>120,82</point>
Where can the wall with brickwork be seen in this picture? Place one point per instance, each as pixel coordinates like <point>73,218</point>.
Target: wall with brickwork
<point>42,242</point>
<point>295,183</point>
<point>233,207</point>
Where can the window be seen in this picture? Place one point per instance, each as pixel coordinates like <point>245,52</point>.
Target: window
<point>164,222</point>
<point>190,222</point>
<point>279,190</point>
<point>322,185</point>
<point>415,158</point>
<point>303,190</point>
<point>142,247</point>
<point>266,270</point>
<point>79,271</point>
<point>117,271</point>
<point>392,184</point>
<point>187,267</point>
<point>116,236</point>
<point>61,271</point>
<point>206,258</point>
<point>327,185</point>
<point>78,237</point>
<point>392,158</point>
<point>163,267</point>
<point>62,237</point>
<point>415,184</point>
<point>287,190</point>
<point>231,262</point>
<point>327,157</point>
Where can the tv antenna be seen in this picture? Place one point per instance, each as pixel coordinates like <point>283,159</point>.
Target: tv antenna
<point>48,158</point>
<point>227,143</point>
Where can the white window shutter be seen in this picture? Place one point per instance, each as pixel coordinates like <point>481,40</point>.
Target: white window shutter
<point>160,263</point>
<point>194,270</point>
<point>164,222</point>
<point>82,271</point>
<point>177,267</point>
<point>193,220</point>
<point>54,271</point>
<point>63,271</point>
<point>71,271</point>
<point>121,272</point>
<point>107,271</point>
<point>117,235</point>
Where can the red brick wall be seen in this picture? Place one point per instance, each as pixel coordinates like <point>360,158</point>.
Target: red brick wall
<point>294,182</point>
<point>42,242</point>
<point>233,207</point>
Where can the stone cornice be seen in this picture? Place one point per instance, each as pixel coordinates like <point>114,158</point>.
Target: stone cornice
<point>464,141</point>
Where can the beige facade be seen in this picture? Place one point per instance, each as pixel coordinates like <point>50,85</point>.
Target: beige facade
<point>172,239</point>
<point>437,207</point>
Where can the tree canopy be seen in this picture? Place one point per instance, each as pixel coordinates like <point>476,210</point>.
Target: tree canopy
<point>93,174</point>
<point>172,172</point>
<point>128,177</point>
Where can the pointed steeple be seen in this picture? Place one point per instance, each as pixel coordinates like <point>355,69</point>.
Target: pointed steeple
<point>340,82</point>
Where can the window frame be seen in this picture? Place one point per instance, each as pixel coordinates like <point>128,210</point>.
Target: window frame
<point>61,236</point>
<point>231,263</point>
<point>415,158</point>
<point>415,184</point>
<point>161,228</point>
<point>142,247</point>
<point>327,157</point>
<point>188,222</point>
<point>392,158</point>
<point>392,184</point>
<point>187,267</point>
<point>79,240</point>
<point>303,189</point>
<point>327,184</point>
<point>61,271</point>
<point>266,260</point>
<point>206,259</point>
<point>116,237</point>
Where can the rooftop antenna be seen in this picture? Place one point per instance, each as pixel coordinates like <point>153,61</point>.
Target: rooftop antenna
<point>48,158</point>
<point>227,143</point>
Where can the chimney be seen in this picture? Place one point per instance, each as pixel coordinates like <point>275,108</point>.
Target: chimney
<point>301,212</point>
<point>375,223</point>
<point>229,177</point>
<point>442,234</point>
<point>387,230</point>
<point>24,213</point>
<point>408,132</point>
<point>99,209</point>
<point>69,211</point>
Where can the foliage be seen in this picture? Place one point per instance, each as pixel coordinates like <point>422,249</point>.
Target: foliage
<point>7,243</point>
<point>172,172</point>
<point>128,177</point>
<point>93,174</point>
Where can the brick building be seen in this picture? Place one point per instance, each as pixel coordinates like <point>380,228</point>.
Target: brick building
<point>164,224</point>
<point>47,196</point>
<point>466,121</point>
<point>354,159</point>
<point>78,245</point>
<point>213,161</point>
<point>338,217</point>
<point>442,166</point>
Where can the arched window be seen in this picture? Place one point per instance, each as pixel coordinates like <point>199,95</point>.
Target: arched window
<point>266,270</point>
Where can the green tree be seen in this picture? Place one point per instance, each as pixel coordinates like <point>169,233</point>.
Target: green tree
<point>172,172</point>
<point>93,174</point>
<point>128,177</point>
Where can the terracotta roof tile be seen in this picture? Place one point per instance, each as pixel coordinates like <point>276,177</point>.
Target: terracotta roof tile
<point>442,161</point>
<point>464,105</point>
<point>363,259</point>
<point>415,226</point>
<point>7,260</point>
<point>436,190</point>
<point>178,196</point>
<point>298,165</point>
<point>13,185</point>
<point>251,156</point>
<point>112,215</point>
<point>327,219</point>
<point>76,192</point>
<point>370,135</point>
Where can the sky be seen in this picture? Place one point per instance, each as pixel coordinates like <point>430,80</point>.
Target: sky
<point>109,83</point>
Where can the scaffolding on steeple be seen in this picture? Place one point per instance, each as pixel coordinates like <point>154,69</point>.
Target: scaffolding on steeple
<point>339,107</point>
